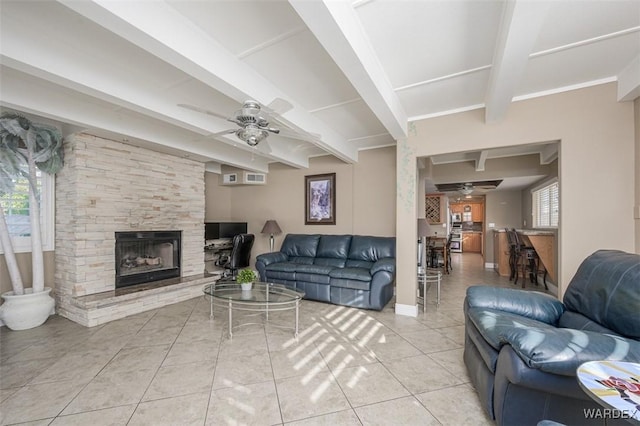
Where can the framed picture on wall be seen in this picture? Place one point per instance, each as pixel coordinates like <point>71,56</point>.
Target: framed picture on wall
<point>320,199</point>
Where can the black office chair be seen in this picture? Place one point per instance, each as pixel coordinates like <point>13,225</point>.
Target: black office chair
<point>240,256</point>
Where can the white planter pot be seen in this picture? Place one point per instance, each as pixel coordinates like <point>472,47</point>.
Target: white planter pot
<point>246,286</point>
<point>28,310</point>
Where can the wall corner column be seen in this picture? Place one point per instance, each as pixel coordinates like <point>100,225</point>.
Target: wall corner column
<point>406,228</point>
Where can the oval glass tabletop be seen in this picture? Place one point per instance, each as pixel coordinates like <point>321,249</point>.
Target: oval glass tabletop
<point>260,293</point>
<point>613,384</point>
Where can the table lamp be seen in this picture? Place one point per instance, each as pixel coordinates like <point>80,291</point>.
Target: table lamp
<point>271,227</point>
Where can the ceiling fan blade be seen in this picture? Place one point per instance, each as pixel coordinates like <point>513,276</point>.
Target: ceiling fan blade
<point>224,132</point>
<point>203,111</point>
<point>278,106</point>
<point>264,147</point>
<point>304,136</point>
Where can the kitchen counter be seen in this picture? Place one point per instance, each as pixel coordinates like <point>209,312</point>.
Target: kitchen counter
<point>543,241</point>
<point>529,231</point>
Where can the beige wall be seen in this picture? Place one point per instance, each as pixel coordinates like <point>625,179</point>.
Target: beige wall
<point>365,198</point>
<point>503,209</point>
<point>217,199</point>
<point>24,264</point>
<point>596,164</point>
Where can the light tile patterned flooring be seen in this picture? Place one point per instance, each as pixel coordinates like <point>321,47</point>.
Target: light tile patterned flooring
<point>176,366</point>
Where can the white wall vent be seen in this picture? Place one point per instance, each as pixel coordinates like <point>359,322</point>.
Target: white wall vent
<point>243,178</point>
<point>255,178</point>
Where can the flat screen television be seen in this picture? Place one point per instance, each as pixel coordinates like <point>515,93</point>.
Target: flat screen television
<point>218,230</point>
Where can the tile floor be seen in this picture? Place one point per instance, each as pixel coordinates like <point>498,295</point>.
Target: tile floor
<point>176,366</point>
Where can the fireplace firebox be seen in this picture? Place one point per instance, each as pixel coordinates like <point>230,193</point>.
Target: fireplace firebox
<point>147,256</point>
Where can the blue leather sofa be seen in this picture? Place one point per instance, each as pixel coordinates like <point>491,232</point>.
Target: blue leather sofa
<point>351,270</point>
<point>522,348</point>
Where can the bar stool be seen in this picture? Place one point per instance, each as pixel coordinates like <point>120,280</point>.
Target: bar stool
<point>442,251</point>
<point>528,260</point>
<point>512,240</point>
<point>426,277</point>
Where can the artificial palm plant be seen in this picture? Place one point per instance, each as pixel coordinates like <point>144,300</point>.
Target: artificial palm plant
<point>24,148</point>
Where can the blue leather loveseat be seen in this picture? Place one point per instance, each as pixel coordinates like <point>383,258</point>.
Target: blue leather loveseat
<point>352,270</point>
<point>522,348</point>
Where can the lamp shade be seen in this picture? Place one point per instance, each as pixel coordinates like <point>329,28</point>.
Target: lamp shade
<point>271,227</point>
<point>423,227</point>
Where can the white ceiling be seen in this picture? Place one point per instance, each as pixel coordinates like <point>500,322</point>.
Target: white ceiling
<point>355,72</point>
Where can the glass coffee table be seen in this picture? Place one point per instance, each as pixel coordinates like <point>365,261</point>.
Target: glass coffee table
<point>614,385</point>
<point>263,298</point>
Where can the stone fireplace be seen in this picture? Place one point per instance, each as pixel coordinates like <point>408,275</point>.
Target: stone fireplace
<point>108,187</point>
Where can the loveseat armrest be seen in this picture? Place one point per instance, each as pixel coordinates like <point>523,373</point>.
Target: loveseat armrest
<point>385,264</point>
<point>562,350</point>
<point>535,305</point>
<point>269,258</point>
<point>262,260</point>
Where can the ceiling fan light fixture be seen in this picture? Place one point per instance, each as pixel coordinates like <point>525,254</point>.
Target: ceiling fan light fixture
<point>251,135</point>
<point>466,191</point>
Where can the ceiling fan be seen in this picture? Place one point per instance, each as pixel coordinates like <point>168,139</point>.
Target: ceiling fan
<point>253,120</point>
<point>466,188</point>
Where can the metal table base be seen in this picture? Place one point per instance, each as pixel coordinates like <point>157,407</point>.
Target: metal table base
<point>426,277</point>
<point>267,298</point>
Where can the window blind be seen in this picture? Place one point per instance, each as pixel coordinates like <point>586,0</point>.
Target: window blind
<point>546,206</point>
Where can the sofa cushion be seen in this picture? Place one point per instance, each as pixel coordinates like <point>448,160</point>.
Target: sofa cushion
<point>282,267</point>
<point>341,283</point>
<point>606,289</point>
<point>313,278</point>
<point>281,277</point>
<point>371,249</point>
<point>334,246</point>
<point>359,274</point>
<point>358,264</point>
<point>313,274</point>
<point>295,245</point>
<point>328,261</point>
<point>578,321</point>
<point>494,325</point>
<point>301,260</point>
<point>550,349</point>
<point>531,304</point>
<point>314,269</point>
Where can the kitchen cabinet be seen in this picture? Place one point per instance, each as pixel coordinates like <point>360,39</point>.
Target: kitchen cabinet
<point>456,208</point>
<point>477,212</point>
<point>472,242</point>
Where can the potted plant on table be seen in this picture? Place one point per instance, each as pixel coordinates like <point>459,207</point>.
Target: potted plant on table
<point>245,278</point>
<point>24,148</point>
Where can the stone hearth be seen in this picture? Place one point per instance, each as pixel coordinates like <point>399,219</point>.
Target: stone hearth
<point>108,187</point>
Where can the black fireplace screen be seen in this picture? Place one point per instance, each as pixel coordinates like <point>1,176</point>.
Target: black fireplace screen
<point>147,256</point>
